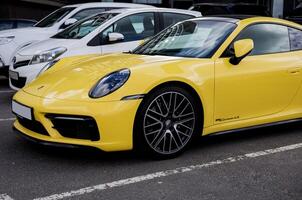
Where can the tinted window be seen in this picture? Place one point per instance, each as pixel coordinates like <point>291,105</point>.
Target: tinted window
<point>188,39</point>
<point>295,39</point>
<point>4,25</point>
<point>268,38</point>
<point>134,27</point>
<point>54,17</point>
<point>87,12</point>
<point>173,18</point>
<point>21,24</point>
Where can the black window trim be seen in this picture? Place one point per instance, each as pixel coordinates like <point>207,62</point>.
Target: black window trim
<point>225,53</point>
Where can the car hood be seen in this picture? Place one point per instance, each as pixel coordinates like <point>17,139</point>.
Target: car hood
<point>73,78</point>
<point>46,45</point>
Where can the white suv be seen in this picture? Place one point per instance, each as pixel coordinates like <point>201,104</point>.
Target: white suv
<point>107,32</point>
<point>14,39</point>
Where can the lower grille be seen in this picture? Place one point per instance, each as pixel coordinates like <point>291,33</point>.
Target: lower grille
<point>20,83</point>
<point>21,64</point>
<point>78,127</point>
<point>33,125</point>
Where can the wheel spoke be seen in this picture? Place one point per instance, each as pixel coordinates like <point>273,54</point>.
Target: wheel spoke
<point>185,126</point>
<point>169,122</point>
<point>159,107</point>
<point>183,99</point>
<point>152,132</point>
<point>153,124</point>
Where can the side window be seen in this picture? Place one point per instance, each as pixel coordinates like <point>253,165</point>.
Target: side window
<point>87,12</point>
<point>134,27</point>
<point>268,38</point>
<point>173,18</point>
<point>295,36</point>
<point>6,25</point>
<point>21,24</point>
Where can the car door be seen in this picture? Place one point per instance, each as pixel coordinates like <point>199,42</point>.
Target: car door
<point>134,27</point>
<point>263,83</point>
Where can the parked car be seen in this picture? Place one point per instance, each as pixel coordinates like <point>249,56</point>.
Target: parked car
<point>108,32</point>
<point>295,16</point>
<point>209,9</point>
<point>201,76</point>
<point>16,23</point>
<point>13,40</point>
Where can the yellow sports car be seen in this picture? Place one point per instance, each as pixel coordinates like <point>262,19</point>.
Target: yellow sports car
<point>198,77</point>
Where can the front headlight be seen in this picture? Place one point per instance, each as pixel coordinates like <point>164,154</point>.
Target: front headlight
<point>47,56</point>
<point>5,40</point>
<point>110,83</point>
<point>47,66</point>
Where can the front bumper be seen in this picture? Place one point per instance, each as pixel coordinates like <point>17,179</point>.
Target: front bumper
<point>4,70</point>
<point>26,75</point>
<point>114,119</point>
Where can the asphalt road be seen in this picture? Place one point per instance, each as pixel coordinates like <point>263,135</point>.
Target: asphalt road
<point>244,165</point>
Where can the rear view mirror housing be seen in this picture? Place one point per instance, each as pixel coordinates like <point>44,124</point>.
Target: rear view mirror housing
<point>115,37</point>
<point>242,48</point>
<point>68,22</point>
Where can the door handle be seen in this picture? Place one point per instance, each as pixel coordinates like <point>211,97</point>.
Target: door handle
<point>294,70</point>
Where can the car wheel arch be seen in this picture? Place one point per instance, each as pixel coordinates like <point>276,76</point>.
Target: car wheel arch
<point>190,89</point>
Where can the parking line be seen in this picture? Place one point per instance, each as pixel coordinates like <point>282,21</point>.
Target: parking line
<point>7,119</point>
<point>5,197</point>
<point>165,173</point>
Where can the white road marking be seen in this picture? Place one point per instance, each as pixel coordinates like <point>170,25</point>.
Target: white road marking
<point>5,197</point>
<point>165,173</point>
<point>7,119</point>
<point>7,91</point>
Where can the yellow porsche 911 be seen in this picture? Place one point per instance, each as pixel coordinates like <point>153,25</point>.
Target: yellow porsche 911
<point>198,77</point>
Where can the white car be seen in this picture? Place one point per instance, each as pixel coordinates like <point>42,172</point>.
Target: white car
<point>108,32</point>
<point>14,39</point>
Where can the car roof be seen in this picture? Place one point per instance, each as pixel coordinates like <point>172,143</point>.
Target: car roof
<point>108,4</point>
<point>227,4</point>
<point>238,17</point>
<point>188,12</point>
<point>246,19</point>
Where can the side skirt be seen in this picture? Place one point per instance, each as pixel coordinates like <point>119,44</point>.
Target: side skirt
<point>257,126</point>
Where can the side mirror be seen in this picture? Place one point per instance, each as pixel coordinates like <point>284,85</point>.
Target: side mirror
<point>68,22</point>
<point>242,48</point>
<point>115,37</point>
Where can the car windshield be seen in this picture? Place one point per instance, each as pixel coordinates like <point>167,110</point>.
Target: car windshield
<point>84,27</point>
<point>195,39</point>
<point>54,17</point>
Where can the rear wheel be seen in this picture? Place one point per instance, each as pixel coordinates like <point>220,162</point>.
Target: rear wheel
<point>166,122</point>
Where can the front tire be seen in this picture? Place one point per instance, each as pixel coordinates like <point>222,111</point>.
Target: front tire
<point>166,122</point>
